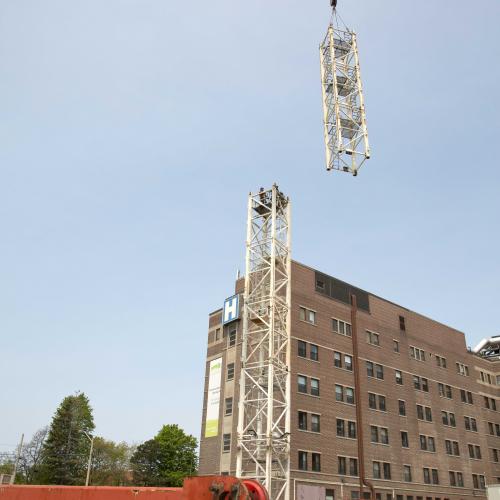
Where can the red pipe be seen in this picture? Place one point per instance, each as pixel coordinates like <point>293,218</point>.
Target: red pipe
<point>357,395</point>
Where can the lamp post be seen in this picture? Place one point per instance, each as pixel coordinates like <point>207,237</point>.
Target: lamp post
<point>91,439</point>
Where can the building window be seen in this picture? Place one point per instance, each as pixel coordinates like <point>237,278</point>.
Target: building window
<point>329,494</point>
<point>217,334</point>
<point>344,394</point>
<point>431,476</point>
<point>445,391</point>
<point>478,482</point>
<point>456,479</point>
<point>424,413</point>
<point>302,460</point>
<point>452,447</point>
<point>353,466</point>
<point>314,387</point>
<point>462,369</point>
<point>372,401</point>
<point>351,430</point>
<point>374,370</point>
<point>228,406</point>
<point>402,325</point>
<point>427,443</point>
<point>376,402</point>
<point>315,425</point>
<point>466,397</point>
<point>302,348</point>
<point>314,352</point>
<point>226,443</point>
<point>232,337</point>
<point>230,371</point>
<point>402,408</point>
<point>404,439</point>
<point>387,470</point>
<point>339,393</point>
<point>376,470</point>
<point>341,327</point>
<point>448,419</point>
<point>490,403</point>
<point>395,346</point>
<point>302,420</point>
<point>470,424</point>
<point>340,427</point>
<point>316,462</point>
<point>494,429</point>
<point>349,395</point>
<point>474,451</point>
<point>407,473</point>
<point>337,359</point>
<point>379,435</point>
<point>347,466</point>
<point>440,361</point>
<point>302,384</point>
<point>348,362</point>
<point>342,466</point>
<point>399,377</point>
<point>307,315</point>
<point>420,383</point>
<point>372,338</point>
<point>416,353</point>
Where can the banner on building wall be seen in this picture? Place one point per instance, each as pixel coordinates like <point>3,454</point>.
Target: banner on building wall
<point>213,398</point>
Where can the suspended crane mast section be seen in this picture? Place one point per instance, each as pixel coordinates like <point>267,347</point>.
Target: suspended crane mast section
<point>264,404</point>
<point>346,137</point>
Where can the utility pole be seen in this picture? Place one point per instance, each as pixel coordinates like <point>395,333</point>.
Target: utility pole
<point>19,449</point>
<point>91,439</point>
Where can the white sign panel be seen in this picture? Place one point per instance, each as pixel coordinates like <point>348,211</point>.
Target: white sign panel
<point>213,398</point>
<point>231,310</point>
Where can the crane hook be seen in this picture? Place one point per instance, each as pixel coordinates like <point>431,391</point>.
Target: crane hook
<point>333,3</point>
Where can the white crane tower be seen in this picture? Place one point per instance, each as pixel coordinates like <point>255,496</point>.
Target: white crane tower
<point>264,404</point>
<point>344,120</point>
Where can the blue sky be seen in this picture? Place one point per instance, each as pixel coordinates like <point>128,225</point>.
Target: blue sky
<point>131,132</point>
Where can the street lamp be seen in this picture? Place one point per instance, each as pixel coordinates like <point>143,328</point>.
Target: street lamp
<point>91,439</point>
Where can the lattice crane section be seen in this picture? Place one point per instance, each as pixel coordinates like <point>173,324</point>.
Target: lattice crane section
<point>264,404</point>
<point>346,136</point>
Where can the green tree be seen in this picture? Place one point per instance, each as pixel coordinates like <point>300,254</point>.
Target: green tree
<point>146,464</point>
<point>167,459</point>
<point>66,449</point>
<point>110,463</point>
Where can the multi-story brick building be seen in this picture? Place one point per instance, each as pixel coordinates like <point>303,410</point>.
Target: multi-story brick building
<point>430,406</point>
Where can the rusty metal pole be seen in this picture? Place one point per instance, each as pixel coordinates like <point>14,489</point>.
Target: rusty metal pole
<point>357,395</point>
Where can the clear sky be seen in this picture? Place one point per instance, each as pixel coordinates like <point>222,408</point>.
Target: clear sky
<point>130,134</point>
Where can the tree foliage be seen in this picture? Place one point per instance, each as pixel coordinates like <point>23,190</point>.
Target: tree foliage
<point>165,460</point>
<point>30,460</point>
<point>110,463</point>
<point>65,451</point>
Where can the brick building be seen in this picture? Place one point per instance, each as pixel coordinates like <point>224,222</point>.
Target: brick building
<point>430,407</point>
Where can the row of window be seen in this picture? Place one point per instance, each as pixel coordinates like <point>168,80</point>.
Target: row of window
<point>344,394</point>
<point>375,370</point>
<point>348,466</point>
<point>347,428</point>
<point>373,338</point>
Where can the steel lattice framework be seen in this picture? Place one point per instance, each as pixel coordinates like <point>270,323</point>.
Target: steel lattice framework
<point>264,403</point>
<point>346,137</point>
